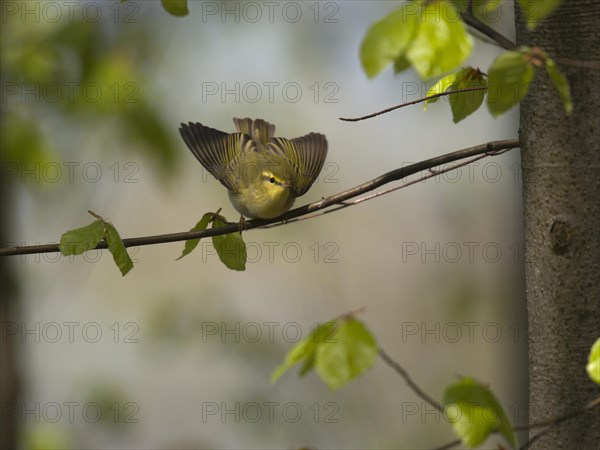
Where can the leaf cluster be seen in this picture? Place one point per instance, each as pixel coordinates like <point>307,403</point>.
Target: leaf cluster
<point>430,37</point>
<point>79,240</point>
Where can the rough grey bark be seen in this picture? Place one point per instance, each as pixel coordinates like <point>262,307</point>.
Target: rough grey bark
<point>561,190</point>
<point>9,383</point>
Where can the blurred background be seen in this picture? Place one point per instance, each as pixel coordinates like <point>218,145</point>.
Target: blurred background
<point>178,354</point>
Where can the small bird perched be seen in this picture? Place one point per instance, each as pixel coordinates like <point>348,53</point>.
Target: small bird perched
<point>263,174</point>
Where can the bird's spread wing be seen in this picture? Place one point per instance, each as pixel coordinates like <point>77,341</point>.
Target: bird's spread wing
<point>217,151</point>
<point>259,130</point>
<point>306,154</point>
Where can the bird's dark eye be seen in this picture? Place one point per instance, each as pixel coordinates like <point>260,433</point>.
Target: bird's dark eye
<point>272,179</point>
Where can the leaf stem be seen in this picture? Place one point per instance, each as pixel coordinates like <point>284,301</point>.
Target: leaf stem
<point>402,105</point>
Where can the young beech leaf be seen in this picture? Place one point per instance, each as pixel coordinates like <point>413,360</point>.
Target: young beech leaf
<point>191,244</point>
<point>464,104</point>
<point>401,64</point>
<point>305,350</point>
<point>561,84</point>
<point>178,8</point>
<point>388,39</point>
<point>309,364</point>
<point>75,242</point>
<point>442,42</point>
<point>475,412</point>
<point>231,248</point>
<point>118,250</point>
<point>509,77</point>
<point>593,366</point>
<point>348,354</point>
<point>440,86</point>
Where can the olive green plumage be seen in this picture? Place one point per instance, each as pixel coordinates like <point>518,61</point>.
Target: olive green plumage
<point>263,174</point>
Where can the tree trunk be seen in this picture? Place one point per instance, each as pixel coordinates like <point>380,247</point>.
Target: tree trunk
<point>9,382</point>
<point>561,190</point>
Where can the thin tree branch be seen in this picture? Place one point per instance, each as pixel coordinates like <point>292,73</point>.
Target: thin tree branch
<point>409,381</point>
<point>549,423</point>
<point>559,419</point>
<point>469,18</point>
<point>449,445</point>
<point>414,102</point>
<point>397,174</point>
<point>432,173</point>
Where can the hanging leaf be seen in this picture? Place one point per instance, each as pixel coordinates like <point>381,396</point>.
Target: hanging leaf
<point>464,104</point>
<point>191,244</point>
<point>388,39</point>
<point>509,77</point>
<point>351,353</point>
<point>475,412</point>
<point>118,250</point>
<point>442,85</point>
<point>442,42</point>
<point>178,8</point>
<point>338,350</point>
<point>593,366</point>
<point>303,351</point>
<point>231,248</point>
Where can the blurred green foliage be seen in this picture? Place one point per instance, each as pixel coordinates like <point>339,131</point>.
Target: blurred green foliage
<point>86,75</point>
<point>475,412</point>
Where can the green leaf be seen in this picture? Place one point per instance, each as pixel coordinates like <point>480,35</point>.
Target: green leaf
<point>352,352</point>
<point>388,39</point>
<point>442,43</point>
<point>177,8</point>
<point>536,10</point>
<point>442,85</point>
<point>75,242</point>
<point>231,248</point>
<point>593,366</point>
<point>401,64</point>
<point>338,352</point>
<point>191,244</point>
<point>118,250</point>
<point>509,77</point>
<point>466,103</point>
<point>561,84</point>
<point>475,412</point>
<point>305,350</point>
<point>309,364</point>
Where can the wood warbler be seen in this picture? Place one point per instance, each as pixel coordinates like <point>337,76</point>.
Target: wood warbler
<point>263,174</point>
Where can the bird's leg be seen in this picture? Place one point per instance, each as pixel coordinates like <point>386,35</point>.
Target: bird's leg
<point>242,224</point>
